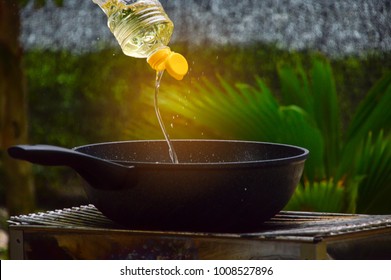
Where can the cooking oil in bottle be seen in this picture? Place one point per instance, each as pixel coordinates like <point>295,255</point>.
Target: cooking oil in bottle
<point>140,28</point>
<point>143,30</point>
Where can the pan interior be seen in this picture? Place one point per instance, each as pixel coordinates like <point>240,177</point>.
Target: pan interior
<point>194,151</point>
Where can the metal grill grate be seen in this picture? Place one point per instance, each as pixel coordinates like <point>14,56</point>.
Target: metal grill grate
<point>83,216</point>
<point>85,233</point>
<point>283,225</point>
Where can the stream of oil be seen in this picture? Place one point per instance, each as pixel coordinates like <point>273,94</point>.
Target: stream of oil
<point>138,27</point>
<point>171,150</point>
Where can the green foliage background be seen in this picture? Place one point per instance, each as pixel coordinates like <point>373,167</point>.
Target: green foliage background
<point>80,99</point>
<point>101,90</point>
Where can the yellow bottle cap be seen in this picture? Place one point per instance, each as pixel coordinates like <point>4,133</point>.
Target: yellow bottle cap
<point>175,64</point>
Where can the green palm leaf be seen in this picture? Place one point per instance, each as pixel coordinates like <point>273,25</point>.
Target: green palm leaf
<point>372,116</point>
<point>317,96</point>
<point>295,88</point>
<point>374,164</point>
<point>373,113</point>
<point>323,196</point>
<point>298,128</point>
<point>326,112</point>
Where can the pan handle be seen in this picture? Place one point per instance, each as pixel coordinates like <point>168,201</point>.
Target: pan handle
<point>98,172</point>
<point>51,155</point>
<point>43,154</point>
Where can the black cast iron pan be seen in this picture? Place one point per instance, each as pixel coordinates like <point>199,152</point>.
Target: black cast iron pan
<point>218,186</point>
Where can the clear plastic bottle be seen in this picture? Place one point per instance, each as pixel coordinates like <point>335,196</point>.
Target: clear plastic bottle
<point>143,30</point>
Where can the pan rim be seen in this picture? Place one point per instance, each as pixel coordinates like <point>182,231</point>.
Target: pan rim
<point>301,156</point>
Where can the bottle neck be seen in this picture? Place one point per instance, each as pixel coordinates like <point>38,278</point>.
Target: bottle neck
<point>158,58</point>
